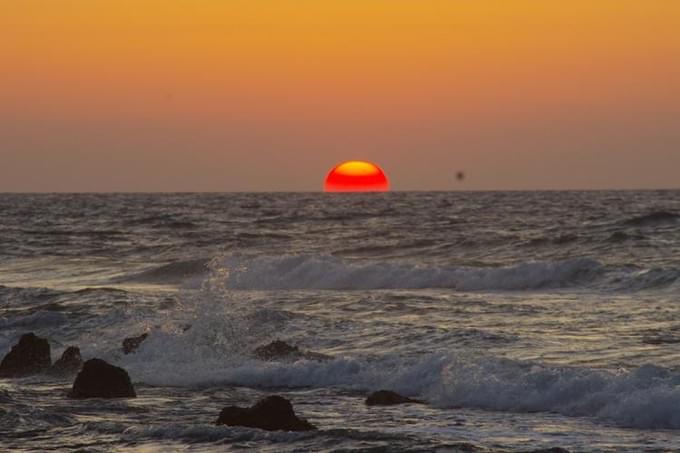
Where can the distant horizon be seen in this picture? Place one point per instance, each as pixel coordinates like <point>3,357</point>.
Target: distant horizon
<point>189,192</point>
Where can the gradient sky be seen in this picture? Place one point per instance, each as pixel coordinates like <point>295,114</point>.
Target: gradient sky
<point>241,95</point>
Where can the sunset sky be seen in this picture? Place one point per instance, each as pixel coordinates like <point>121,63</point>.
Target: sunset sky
<point>268,95</point>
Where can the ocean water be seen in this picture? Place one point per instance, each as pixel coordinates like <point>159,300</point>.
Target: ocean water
<point>525,320</point>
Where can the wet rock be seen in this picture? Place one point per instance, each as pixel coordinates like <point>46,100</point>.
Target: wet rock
<point>30,356</point>
<point>99,379</point>
<point>273,413</point>
<point>276,349</point>
<point>280,350</point>
<point>69,363</point>
<point>388,398</point>
<point>131,344</point>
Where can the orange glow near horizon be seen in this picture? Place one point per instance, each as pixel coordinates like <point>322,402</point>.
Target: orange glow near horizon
<point>356,176</point>
<point>214,95</point>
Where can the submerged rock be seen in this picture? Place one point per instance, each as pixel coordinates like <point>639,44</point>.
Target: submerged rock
<point>276,349</point>
<point>280,350</point>
<point>388,398</point>
<point>131,344</point>
<point>30,356</point>
<point>99,379</point>
<point>273,413</point>
<point>69,363</point>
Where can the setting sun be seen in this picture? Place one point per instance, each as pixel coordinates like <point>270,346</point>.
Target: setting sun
<point>356,176</point>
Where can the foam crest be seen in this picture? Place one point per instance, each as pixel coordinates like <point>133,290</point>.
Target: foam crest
<point>326,272</point>
<point>646,398</point>
<point>217,350</point>
<point>172,273</point>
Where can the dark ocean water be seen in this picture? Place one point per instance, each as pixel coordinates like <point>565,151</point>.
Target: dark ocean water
<point>525,320</point>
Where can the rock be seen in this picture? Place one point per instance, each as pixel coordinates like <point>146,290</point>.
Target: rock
<point>276,350</point>
<point>99,379</point>
<point>388,398</point>
<point>280,350</point>
<point>69,363</point>
<point>30,356</point>
<point>273,413</point>
<point>131,344</point>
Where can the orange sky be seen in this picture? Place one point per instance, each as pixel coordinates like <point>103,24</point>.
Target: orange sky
<point>141,95</point>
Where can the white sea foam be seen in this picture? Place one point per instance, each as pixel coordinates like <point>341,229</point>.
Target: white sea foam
<point>326,272</point>
<point>323,272</point>
<point>646,397</point>
<point>216,351</point>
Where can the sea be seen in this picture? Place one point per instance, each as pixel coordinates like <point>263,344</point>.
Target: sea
<point>524,320</point>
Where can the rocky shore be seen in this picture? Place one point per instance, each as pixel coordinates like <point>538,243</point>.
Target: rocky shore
<point>95,378</point>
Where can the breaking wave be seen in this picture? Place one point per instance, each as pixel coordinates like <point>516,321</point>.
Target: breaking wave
<point>647,397</point>
<point>326,272</point>
<point>323,272</point>
<point>172,273</point>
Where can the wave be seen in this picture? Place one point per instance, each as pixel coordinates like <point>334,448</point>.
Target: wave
<point>101,234</point>
<point>323,272</point>
<point>99,290</point>
<point>162,221</point>
<point>326,272</point>
<point>23,297</point>
<point>37,320</point>
<point>654,218</point>
<point>647,397</point>
<point>16,296</point>
<point>207,432</point>
<point>216,351</point>
<point>620,236</point>
<point>653,278</point>
<point>172,273</point>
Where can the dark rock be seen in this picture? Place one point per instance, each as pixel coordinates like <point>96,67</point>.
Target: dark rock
<point>276,350</point>
<point>280,350</point>
<point>131,344</point>
<point>388,398</point>
<point>30,356</point>
<point>69,363</point>
<point>99,379</point>
<point>273,413</point>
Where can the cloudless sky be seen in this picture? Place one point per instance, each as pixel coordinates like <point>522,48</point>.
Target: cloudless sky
<point>268,95</point>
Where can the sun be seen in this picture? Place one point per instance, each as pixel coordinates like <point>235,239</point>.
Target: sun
<point>356,176</point>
